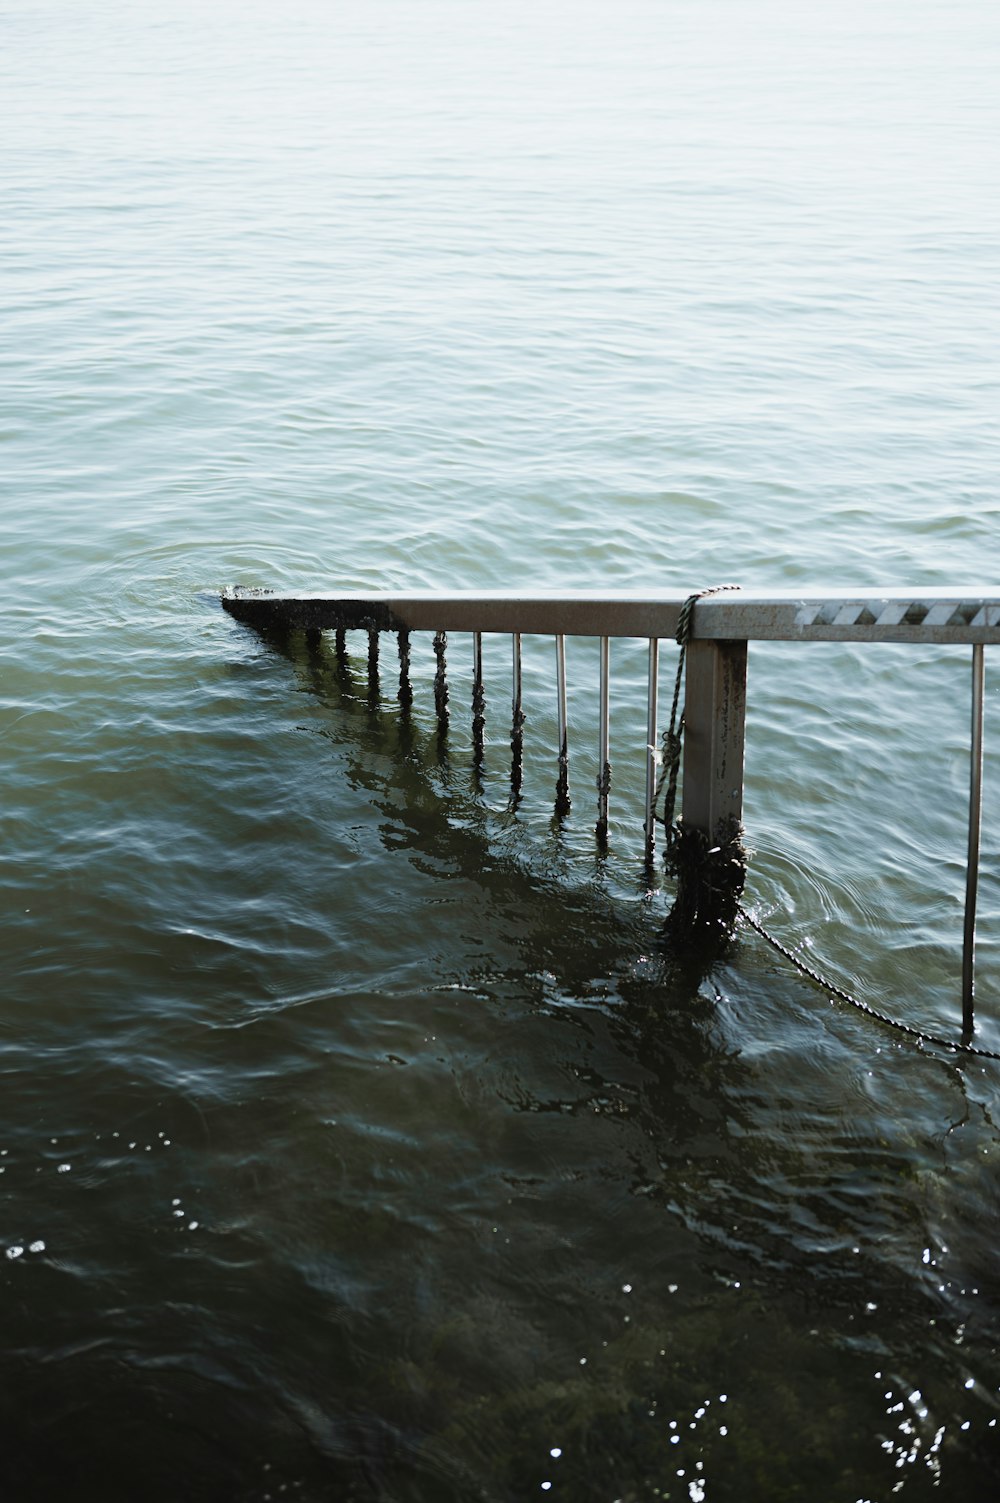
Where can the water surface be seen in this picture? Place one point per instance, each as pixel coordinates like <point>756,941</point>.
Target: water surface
<point>358,1140</point>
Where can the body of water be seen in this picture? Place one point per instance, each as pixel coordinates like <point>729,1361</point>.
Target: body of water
<point>357,1140</point>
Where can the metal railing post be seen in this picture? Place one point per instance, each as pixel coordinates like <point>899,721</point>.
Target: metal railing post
<point>562,783</point>
<point>975,829</point>
<point>517,719</point>
<point>604,743</point>
<point>652,711</point>
<point>478,699</point>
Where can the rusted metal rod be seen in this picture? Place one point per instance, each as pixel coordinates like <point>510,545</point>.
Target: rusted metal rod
<point>405,688</point>
<point>441,679</point>
<point>975,830</point>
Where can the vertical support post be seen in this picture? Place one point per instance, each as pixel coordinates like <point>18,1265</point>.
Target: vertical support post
<point>975,829</point>
<point>715,693</point>
<point>707,853</point>
<point>517,719</point>
<point>562,783</point>
<point>604,743</point>
<point>478,699</point>
<point>652,711</point>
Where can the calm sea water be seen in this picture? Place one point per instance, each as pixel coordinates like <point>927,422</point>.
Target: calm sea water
<point>356,1140</point>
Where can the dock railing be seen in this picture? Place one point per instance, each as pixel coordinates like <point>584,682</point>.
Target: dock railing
<point>717,627</point>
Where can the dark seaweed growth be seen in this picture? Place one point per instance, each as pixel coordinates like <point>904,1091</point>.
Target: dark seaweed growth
<point>709,881</point>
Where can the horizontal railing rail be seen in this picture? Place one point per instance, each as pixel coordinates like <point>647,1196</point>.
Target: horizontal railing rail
<point>938,615</point>
<point>715,628</point>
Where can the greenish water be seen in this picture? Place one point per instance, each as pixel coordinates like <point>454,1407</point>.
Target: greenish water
<point>357,1139</point>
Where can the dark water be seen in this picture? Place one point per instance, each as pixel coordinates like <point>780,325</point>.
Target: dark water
<point>357,1139</point>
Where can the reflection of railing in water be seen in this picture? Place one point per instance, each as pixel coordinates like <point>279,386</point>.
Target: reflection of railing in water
<point>721,625</point>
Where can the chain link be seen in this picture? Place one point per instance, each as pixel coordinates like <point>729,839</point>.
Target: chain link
<point>844,996</point>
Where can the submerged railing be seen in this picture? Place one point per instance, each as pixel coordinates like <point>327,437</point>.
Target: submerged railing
<point>716,627</point>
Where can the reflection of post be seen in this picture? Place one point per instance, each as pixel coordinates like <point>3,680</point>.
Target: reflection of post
<point>975,829</point>
<point>715,696</point>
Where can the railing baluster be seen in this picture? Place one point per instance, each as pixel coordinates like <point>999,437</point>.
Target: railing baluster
<point>562,783</point>
<point>373,685</point>
<point>405,687</point>
<point>441,680</point>
<point>652,695</point>
<point>478,699</point>
<point>517,719</point>
<point>975,829</point>
<point>604,743</point>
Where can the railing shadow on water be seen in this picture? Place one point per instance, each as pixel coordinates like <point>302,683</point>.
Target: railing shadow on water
<point>434,807</point>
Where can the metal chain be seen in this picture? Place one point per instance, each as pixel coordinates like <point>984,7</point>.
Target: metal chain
<point>844,996</point>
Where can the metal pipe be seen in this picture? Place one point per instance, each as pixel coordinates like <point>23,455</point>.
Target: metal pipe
<point>478,699</point>
<point>562,784</point>
<point>652,694</point>
<point>517,679</point>
<point>604,743</point>
<point>975,828</point>
<point>517,720</point>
